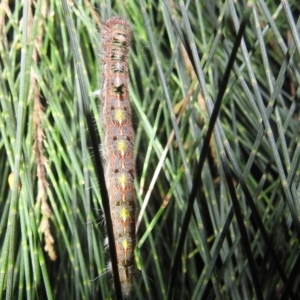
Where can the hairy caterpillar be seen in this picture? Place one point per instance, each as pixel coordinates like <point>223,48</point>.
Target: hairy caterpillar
<point>118,143</point>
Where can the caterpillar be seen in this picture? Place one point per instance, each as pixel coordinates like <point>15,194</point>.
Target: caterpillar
<point>118,143</point>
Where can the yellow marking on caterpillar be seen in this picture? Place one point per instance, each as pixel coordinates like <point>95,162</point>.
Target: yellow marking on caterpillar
<point>119,115</point>
<point>122,179</point>
<point>121,146</point>
<point>124,214</point>
<point>125,244</point>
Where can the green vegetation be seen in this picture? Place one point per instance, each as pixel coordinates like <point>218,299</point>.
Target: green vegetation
<point>232,232</point>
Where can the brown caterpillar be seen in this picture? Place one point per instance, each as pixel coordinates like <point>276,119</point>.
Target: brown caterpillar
<point>119,143</point>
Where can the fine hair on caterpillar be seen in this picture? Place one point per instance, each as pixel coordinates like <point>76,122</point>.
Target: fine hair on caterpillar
<point>118,143</point>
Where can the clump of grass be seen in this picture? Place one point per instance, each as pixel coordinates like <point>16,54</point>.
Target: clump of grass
<point>242,240</point>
